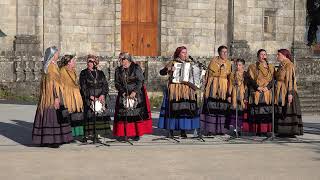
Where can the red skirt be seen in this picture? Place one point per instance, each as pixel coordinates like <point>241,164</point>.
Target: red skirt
<point>258,123</point>
<point>137,128</point>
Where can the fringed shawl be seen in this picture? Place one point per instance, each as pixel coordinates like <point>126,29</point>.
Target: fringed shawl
<point>286,83</point>
<point>50,87</point>
<point>71,90</point>
<point>217,78</point>
<point>237,81</point>
<point>262,76</point>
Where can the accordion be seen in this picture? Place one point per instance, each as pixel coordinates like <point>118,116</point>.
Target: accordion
<point>188,73</point>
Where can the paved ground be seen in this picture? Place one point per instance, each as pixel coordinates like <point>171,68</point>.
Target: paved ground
<point>248,158</point>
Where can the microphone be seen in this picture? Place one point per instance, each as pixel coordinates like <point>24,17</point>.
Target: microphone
<point>191,58</point>
<point>266,62</point>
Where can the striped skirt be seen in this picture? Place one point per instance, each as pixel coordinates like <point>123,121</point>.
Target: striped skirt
<point>214,116</point>
<point>178,119</point>
<point>47,130</point>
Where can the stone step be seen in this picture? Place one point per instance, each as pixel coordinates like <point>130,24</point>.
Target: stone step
<point>304,91</point>
<point>309,100</point>
<point>310,111</point>
<point>315,96</point>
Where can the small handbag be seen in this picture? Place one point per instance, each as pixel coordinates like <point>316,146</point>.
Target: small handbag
<point>130,103</point>
<point>63,115</point>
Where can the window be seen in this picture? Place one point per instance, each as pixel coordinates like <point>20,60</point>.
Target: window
<point>269,24</point>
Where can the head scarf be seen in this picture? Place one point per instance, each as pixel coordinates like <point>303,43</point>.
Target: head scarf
<point>48,55</point>
<point>125,55</point>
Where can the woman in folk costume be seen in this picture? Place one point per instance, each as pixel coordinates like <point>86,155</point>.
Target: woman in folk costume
<point>216,105</point>
<point>47,128</point>
<point>288,120</point>
<point>94,89</point>
<point>238,96</point>
<point>179,110</point>
<point>71,94</point>
<point>260,97</point>
<point>132,114</point>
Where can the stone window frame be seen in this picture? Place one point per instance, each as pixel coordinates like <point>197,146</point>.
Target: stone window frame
<point>269,32</point>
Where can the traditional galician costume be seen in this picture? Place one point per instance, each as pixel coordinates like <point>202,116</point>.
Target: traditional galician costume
<point>179,110</point>
<point>260,96</point>
<point>238,97</point>
<point>49,129</point>
<point>215,106</point>
<point>71,95</point>
<point>132,113</point>
<point>94,90</point>
<point>288,114</point>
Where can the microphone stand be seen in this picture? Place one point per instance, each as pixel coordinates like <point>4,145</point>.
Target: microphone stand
<point>198,133</point>
<point>170,136</point>
<point>237,86</point>
<point>128,109</point>
<point>272,137</point>
<point>94,107</point>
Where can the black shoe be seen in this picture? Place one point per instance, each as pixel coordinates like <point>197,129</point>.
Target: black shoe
<point>84,140</point>
<point>136,138</point>
<point>170,135</point>
<point>183,134</point>
<point>54,145</point>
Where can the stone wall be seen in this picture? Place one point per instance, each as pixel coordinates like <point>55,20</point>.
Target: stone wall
<point>200,25</point>
<point>7,24</point>
<point>287,22</point>
<point>21,75</point>
<point>74,26</point>
<point>93,26</point>
<point>89,27</point>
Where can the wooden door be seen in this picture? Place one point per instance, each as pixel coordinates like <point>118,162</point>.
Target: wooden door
<point>139,27</point>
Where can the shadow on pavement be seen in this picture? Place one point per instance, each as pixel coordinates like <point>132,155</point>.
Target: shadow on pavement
<point>312,128</point>
<point>19,131</point>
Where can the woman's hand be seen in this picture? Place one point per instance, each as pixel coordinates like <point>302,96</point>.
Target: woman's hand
<point>171,68</point>
<point>229,99</point>
<point>56,103</point>
<point>260,89</point>
<point>133,95</point>
<point>92,98</point>
<point>290,98</point>
<point>265,89</point>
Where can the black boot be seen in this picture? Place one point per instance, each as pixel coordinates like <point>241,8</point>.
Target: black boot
<point>170,135</point>
<point>183,134</point>
<point>136,138</point>
<point>55,145</point>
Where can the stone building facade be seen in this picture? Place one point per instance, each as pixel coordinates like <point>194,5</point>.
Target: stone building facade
<point>95,26</point>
